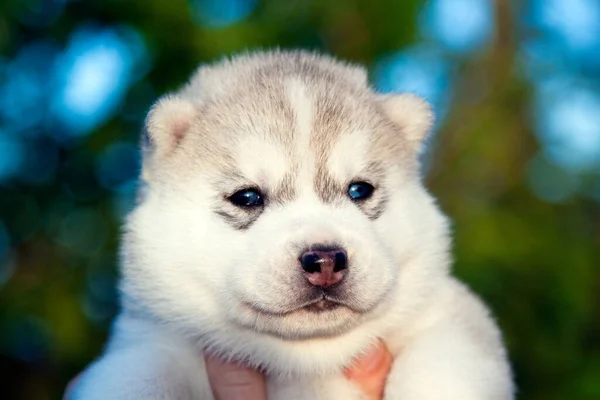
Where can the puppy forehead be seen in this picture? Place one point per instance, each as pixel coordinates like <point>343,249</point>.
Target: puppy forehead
<point>262,160</point>
<point>321,125</point>
<point>348,156</point>
<point>297,127</point>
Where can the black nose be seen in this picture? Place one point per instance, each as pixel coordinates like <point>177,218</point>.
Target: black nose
<point>324,266</point>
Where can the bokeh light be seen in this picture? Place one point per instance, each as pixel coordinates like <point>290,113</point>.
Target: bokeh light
<point>571,24</point>
<point>25,86</point>
<point>568,124</point>
<point>459,26</point>
<point>94,74</point>
<point>420,70</point>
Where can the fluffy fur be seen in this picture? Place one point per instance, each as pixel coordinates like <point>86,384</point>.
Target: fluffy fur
<point>200,274</point>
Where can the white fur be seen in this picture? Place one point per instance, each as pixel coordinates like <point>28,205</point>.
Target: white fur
<point>301,103</point>
<point>410,112</point>
<point>168,121</point>
<point>193,283</point>
<point>261,160</point>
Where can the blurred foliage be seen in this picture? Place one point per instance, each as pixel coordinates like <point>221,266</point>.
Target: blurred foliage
<point>535,262</point>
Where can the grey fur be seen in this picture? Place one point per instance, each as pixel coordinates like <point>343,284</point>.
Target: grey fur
<point>245,96</point>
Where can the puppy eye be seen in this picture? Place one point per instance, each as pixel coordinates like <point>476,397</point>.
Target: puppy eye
<point>247,198</point>
<point>360,190</point>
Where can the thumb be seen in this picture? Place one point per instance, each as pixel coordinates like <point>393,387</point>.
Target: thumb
<point>369,372</point>
<point>230,381</point>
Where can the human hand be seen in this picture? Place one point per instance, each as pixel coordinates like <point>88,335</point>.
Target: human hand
<point>370,371</point>
<point>230,381</point>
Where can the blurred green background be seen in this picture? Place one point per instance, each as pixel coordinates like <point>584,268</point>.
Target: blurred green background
<point>514,159</point>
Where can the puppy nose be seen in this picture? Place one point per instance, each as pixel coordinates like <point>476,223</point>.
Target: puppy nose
<point>324,267</point>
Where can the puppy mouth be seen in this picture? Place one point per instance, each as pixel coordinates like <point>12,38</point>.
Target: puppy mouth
<point>321,305</point>
<point>317,305</point>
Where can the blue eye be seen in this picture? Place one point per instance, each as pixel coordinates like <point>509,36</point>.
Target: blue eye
<point>247,198</point>
<point>360,190</point>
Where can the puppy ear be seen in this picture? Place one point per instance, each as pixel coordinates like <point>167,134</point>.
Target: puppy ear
<point>167,123</point>
<point>411,114</point>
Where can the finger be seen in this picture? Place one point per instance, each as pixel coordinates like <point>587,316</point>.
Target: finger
<point>370,371</point>
<point>230,381</point>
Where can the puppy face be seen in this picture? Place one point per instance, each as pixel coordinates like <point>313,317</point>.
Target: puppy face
<point>285,207</point>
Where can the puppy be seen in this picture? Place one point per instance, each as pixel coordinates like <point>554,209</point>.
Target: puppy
<point>284,225</point>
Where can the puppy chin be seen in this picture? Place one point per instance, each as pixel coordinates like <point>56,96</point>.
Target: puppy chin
<point>286,351</point>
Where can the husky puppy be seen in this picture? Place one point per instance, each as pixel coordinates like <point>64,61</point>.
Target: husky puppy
<point>284,225</point>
